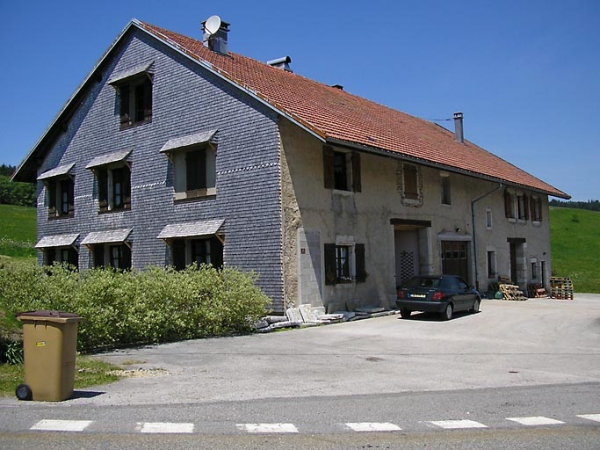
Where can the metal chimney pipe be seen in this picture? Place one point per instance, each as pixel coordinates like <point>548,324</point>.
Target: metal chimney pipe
<point>458,127</point>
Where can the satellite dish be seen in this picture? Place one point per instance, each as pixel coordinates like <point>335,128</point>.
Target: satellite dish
<point>212,25</point>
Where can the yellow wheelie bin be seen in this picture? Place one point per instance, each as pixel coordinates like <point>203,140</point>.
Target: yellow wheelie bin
<point>50,349</point>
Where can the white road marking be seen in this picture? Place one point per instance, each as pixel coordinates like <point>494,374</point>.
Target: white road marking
<point>268,427</point>
<point>373,426</point>
<point>535,420</point>
<point>61,425</point>
<point>594,417</point>
<point>165,427</point>
<point>457,424</point>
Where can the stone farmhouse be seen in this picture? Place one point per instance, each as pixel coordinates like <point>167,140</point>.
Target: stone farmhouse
<point>175,150</point>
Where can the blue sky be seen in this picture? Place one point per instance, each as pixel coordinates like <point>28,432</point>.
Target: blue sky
<point>525,73</point>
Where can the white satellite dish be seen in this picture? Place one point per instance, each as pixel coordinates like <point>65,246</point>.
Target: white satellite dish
<point>212,25</point>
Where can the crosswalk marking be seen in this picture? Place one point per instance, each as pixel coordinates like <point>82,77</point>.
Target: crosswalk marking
<point>268,427</point>
<point>594,417</point>
<point>373,426</point>
<point>165,427</point>
<point>61,425</point>
<point>535,420</point>
<point>457,424</point>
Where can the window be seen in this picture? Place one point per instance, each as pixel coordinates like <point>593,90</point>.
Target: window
<point>488,219</point>
<point>536,209</point>
<point>114,188</point>
<point>67,255</point>
<point>117,256</point>
<point>491,264</point>
<point>135,100</point>
<point>523,207</point>
<point>509,210</point>
<point>534,270</point>
<point>199,251</point>
<point>408,177</point>
<point>195,172</point>
<point>341,170</point>
<point>344,263</point>
<point>446,197</point>
<point>61,197</point>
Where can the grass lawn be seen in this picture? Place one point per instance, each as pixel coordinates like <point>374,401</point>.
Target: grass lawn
<point>575,243</point>
<point>88,372</point>
<point>17,231</point>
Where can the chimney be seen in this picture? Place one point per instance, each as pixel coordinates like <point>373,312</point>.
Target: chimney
<point>281,63</point>
<point>215,39</point>
<point>458,127</point>
<point>338,86</point>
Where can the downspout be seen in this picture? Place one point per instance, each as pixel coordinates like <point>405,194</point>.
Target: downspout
<point>500,185</point>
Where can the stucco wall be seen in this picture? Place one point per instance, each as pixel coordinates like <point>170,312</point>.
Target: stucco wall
<point>365,217</point>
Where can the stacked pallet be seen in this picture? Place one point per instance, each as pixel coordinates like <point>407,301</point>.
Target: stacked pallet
<point>561,288</point>
<point>536,290</point>
<point>511,292</point>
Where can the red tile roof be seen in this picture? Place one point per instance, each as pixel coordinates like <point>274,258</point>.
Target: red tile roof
<point>335,114</point>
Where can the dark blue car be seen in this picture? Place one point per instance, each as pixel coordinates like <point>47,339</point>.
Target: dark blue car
<point>443,294</point>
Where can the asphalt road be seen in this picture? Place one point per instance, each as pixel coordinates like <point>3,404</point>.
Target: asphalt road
<point>516,375</point>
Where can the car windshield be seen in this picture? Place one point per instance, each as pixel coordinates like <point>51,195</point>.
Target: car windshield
<point>422,282</point>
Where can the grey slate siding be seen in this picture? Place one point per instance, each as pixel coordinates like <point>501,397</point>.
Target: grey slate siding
<point>186,99</point>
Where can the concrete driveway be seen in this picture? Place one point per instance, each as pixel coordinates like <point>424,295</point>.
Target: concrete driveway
<point>539,341</point>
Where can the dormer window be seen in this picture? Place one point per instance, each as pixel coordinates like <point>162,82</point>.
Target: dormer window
<point>134,95</point>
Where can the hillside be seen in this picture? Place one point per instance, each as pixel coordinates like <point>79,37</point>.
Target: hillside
<point>575,243</point>
<point>575,240</point>
<point>17,231</point>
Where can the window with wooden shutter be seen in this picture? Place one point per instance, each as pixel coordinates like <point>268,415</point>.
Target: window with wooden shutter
<point>178,251</point>
<point>98,255</point>
<point>135,101</point>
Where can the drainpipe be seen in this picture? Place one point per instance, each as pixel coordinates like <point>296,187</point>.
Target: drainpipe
<point>500,185</point>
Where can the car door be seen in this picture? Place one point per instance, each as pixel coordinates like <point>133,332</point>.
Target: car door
<point>464,295</point>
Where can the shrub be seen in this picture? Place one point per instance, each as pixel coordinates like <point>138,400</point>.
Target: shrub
<point>136,307</point>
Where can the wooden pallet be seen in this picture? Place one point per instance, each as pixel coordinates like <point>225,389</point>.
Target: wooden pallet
<point>561,288</point>
<point>511,292</point>
<point>536,290</point>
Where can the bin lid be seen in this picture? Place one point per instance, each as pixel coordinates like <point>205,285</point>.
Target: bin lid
<point>49,316</point>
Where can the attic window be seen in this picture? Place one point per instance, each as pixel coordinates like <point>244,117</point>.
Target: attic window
<point>341,170</point>
<point>134,88</point>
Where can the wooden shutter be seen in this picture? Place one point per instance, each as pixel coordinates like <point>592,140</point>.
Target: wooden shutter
<point>178,249</point>
<point>330,272</point>
<point>216,253</point>
<point>99,255</point>
<point>71,196</point>
<point>361,273</point>
<point>102,179</point>
<point>51,198</point>
<point>126,171</point>
<point>526,206</point>
<point>411,189</point>
<point>147,100</point>
<point>124,92</point>
<point>356,180</point>
<point>539,208</point>
<point>508,206</point>
<point>125,258</point>
<point>328,166</point>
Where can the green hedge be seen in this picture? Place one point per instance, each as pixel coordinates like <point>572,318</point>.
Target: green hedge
<point>123,308</point>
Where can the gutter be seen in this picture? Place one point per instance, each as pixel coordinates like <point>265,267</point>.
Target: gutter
<point>500,186</point>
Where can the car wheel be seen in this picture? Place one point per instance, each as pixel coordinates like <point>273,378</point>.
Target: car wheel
<point>476,304</point>
<point>405,313</point>
<point>447,314</point>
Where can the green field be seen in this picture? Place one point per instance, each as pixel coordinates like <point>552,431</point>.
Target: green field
<point>575,243</point>
<point>17,231</point>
